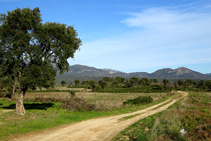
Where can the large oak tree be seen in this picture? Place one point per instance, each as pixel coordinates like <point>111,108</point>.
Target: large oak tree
<point>31,51</point>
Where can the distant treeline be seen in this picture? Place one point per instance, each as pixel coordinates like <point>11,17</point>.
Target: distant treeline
<point>135,84</point>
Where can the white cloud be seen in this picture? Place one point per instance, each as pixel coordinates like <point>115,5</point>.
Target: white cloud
<point>163,38</point>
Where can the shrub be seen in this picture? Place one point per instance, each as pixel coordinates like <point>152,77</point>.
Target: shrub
<point>77,104</point>
<point>139,100</point>
<point>157,87</point>
<point>72,93</point>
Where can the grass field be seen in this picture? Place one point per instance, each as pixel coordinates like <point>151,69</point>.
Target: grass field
<point>193,114</point>
<point>41,116</point>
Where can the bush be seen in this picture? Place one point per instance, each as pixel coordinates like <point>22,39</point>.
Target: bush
<point>77,104</point>
<point>139,100</point>
<point>72,93</point>
<point>157,87</point>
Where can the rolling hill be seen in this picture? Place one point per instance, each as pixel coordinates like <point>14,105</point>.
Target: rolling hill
<point>83,73</point>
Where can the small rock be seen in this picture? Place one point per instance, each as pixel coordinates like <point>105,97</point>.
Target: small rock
<point>183,132</point>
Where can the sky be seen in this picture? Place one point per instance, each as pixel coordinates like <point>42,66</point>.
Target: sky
<point>133,35</point>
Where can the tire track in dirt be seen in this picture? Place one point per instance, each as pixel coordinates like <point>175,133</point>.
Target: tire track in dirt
<point>100,129</point>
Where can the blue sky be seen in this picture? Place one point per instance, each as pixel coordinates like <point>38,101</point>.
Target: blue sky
<point>133,35</point>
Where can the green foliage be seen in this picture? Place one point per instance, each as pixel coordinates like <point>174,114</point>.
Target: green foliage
<point>84,82</point>
<point>63,82</point>
<point>157,87</point>
<point>154,80</point>
<point>208,84</point>
<point>77,82</point>
<point>145,82</point>
<point>107,79</point>
<point>139,100</point>
<point>142,89</point>
<point>120,79</point>
<point>103,84</point>
<point>181,82</point>
<point>92,84</point>
<point>201,84</point>
<point>32,51</point>
<point>165,82</point>
<point>135,79</point>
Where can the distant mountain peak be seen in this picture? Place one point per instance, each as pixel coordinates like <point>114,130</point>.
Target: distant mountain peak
<point>111,70</point>
<point>84,72</point>
<point>182,70</point>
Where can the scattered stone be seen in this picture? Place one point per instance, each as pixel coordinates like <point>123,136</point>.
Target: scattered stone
<point>183,132</point>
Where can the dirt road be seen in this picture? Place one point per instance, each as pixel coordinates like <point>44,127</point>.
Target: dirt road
<point>101,129</point>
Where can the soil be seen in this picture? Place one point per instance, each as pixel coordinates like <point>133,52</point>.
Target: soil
<point>100,129</point>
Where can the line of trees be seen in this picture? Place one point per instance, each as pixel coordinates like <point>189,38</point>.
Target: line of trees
<point>138,82</point>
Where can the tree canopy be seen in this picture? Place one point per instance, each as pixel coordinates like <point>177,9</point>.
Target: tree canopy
<point>32,51</point>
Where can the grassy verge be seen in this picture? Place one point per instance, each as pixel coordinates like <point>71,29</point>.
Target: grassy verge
<point>41,116</point>
<point>193,114</point>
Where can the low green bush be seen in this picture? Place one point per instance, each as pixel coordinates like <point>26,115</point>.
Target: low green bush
<point>139,100</point>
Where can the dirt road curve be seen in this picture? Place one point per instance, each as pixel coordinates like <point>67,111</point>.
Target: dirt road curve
<point>101,129</point>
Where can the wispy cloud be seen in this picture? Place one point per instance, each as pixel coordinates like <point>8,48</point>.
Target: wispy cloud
<point>164,36</point>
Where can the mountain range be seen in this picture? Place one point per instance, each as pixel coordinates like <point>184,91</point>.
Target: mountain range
<point>84,73</point>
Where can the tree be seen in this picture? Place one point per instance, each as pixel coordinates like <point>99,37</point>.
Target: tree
<point>92,84</point>
<point>154,80</point>
<point>145,82</point>
<point>63,82</point>
<point>181,82</point>
<point>120,79</point>
<point>189,82</point>
<point>130,83</point>
<point>28,48</point>
<point>84,83</point>
<point>165,82</point>
<point>208,84</point>
<point>201,84</point>
<point>176,85</point>
<point>77,82</point>
<point>135,79</point>
<point>102,84</point>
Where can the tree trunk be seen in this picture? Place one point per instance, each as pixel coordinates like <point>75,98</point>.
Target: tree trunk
<point>13,89</point>
<point>20,110</point>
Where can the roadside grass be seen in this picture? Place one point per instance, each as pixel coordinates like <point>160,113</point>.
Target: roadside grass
<point>41,116</point>
<point>192,113</point>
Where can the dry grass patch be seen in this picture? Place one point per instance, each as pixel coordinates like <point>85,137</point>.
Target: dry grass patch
<point>115,100</point>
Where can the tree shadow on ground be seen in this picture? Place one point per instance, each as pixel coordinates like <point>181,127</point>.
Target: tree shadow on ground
<point>42,106</point>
